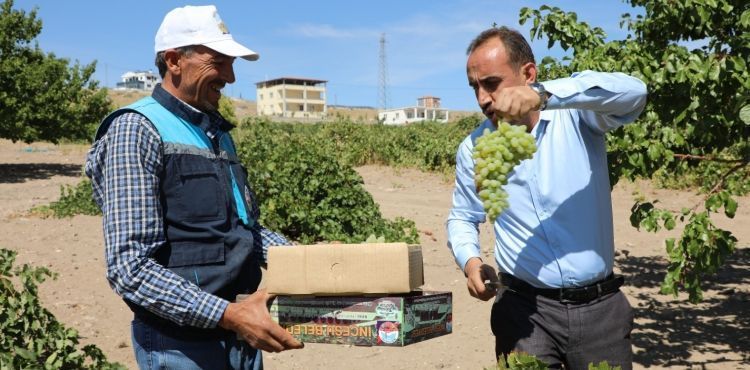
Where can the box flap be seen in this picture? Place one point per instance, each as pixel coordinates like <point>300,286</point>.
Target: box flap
<point>340,269</point>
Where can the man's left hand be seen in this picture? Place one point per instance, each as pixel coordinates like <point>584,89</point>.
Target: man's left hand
<point>514,103</point>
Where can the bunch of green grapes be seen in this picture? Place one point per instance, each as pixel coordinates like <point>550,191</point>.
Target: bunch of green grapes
<point>496,154</point>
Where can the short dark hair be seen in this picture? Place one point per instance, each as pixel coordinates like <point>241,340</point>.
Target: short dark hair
<point>161,64</point>
<point>518,49</point>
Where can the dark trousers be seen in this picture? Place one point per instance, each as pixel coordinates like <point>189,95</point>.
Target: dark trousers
<point>564,334</point>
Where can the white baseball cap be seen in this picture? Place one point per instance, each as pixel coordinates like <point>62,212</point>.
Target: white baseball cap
<point>199,25</point>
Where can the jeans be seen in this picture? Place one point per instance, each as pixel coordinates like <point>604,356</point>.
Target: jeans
<point>157,350</point>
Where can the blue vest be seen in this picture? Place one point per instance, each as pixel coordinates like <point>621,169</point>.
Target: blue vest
<point>205,207</point>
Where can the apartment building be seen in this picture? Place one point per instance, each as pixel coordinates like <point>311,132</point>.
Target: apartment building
<point>427,109</point>
<point>292,97</point>
<point>138,80</point>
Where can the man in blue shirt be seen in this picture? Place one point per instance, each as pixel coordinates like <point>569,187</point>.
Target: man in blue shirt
<point>180,222</point>
<point>556,296</point>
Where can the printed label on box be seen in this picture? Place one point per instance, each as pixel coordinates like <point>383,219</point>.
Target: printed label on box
<point>393,320</point>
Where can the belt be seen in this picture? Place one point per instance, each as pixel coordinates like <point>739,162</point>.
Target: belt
<point>587,293</point>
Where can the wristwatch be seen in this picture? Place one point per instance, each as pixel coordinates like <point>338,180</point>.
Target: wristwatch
<point>543,95</point>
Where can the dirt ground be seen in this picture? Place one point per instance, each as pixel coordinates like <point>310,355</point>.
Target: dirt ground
<point>669,333</point>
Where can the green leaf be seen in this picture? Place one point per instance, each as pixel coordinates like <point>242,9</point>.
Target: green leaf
<point>745,19</point>
<point>730,207</point>
<point>51,361</point>
<point>745,114</point>
<point>25,354</point>
<point>713,203</point>
<point>715,72</point>
<point>670,246</point>
<point>669,224</point>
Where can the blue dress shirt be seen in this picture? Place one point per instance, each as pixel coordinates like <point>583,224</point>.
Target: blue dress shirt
<point>557,230</point>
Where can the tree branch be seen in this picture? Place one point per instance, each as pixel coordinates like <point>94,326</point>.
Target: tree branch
<point>704,158</point>
<point>719,185</point>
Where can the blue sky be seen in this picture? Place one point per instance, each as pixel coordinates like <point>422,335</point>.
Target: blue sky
<point>337,41</point>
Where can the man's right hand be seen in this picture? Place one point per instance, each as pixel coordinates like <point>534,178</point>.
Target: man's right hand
<point>251,320</point>
<point>476,273</point>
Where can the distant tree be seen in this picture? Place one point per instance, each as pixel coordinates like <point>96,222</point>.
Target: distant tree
<point>226,109</point>
<point>42,98</point>
<point>695,58</point>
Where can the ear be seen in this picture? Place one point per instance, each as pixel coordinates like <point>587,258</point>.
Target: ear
<point>172,59</point>
<point>529,72</point>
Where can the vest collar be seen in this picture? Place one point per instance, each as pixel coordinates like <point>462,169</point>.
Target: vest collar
<point>210,123</point>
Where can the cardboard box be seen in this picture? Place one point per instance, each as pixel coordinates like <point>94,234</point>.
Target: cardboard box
<point>389,320</point>
<point>344,269</point>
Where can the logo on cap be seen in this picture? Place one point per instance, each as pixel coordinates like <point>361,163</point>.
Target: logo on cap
<point>223,28</point>
<point>220,23</point>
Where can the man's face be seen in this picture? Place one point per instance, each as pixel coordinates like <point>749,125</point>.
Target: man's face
<point>489,70</point>
<point>204,72</point>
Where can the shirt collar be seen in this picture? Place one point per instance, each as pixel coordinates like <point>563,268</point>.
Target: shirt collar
<point>211,123</point>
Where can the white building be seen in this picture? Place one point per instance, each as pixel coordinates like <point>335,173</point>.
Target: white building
<point>427,109</point>
<point>138,80</point>
<point>292,97</point>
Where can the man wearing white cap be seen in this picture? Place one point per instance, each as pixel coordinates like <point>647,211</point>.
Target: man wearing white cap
<point>180,220</point>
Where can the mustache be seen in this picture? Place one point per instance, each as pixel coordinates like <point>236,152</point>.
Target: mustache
<point>489,113</point>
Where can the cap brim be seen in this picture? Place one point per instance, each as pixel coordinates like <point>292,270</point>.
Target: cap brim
<point>233,49</point>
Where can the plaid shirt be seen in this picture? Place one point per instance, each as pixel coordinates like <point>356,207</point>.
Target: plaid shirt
<point>124,167</point>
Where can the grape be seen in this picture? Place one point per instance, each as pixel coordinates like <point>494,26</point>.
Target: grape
<point>495,154</point>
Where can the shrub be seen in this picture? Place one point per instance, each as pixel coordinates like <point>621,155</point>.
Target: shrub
<point>74,200</point>
<point>30,336</point>
<point>307,194</point>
